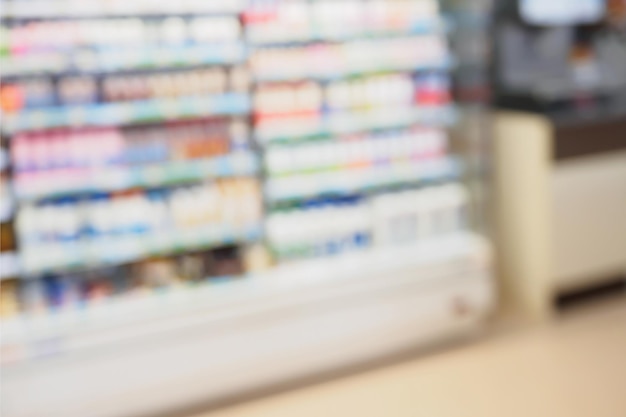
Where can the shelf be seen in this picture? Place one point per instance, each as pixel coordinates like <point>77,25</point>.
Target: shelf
<point>127,113</point>
<point>108,179</point>
<point>424,27</point>
<point>45,9</point>
<point>286,130</point>
<point>361,180</point>
<point>115,59</point>
<point>375,67</point>
<point>118,250</point>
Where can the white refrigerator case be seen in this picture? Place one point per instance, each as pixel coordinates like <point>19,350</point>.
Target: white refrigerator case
<point>198,347</point>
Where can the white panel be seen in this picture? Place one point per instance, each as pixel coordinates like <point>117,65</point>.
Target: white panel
<point>589,203</point>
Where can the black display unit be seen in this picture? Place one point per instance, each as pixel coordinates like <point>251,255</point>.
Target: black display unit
<point>561,59</point>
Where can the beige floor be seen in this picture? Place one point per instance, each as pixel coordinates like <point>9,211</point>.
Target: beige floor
<point>573,367</point>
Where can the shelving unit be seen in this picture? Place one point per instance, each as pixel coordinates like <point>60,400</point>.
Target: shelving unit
<point>140,98</point>
<point>335,140</point>
<point>365,164</point>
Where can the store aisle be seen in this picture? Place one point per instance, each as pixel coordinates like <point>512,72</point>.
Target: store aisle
<point>573,367</point>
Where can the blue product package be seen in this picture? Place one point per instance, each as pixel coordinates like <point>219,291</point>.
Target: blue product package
<point>53,289</point>
<point>362,240</point>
